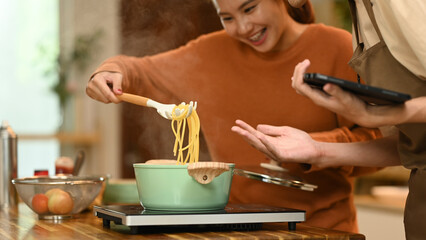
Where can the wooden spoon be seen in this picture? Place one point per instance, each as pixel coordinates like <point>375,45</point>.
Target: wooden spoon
<point>165,110</point>
<point>78,163</point>
<point>205,172</point>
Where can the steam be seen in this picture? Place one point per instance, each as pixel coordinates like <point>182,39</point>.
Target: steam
<point>153,26</point>
<point>150,27</point>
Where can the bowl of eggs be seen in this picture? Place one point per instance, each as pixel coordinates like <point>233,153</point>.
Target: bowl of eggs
<point>58,197</point>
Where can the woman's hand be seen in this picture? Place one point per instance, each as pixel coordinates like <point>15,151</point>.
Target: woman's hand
<point>282,144</point>
<point>104,86</point>
<point>347,104</point>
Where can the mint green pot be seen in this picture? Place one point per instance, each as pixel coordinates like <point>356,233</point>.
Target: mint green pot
<point>170,187</point>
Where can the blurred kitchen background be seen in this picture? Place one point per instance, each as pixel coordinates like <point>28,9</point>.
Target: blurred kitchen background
<point>48,50</point>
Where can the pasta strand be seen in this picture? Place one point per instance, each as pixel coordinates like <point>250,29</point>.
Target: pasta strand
<point>193,123</point>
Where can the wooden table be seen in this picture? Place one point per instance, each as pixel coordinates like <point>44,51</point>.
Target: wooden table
<point>22,223</point>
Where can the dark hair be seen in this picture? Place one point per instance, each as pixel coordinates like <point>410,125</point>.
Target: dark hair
<point>304,14</point>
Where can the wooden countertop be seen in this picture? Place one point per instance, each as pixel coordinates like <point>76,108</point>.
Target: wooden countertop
<point>22,223</point>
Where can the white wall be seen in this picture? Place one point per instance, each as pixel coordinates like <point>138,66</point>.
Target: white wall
<point>26,101</point>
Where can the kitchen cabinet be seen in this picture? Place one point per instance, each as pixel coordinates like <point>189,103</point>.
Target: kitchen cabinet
<point>85,139</point>
<point>22,223</point>
<point>380,218</point>
<point>381,213</point>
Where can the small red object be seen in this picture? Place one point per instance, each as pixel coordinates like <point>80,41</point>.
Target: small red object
<point>64,165</point>
<point>42,172</point>
<point>63,170</point>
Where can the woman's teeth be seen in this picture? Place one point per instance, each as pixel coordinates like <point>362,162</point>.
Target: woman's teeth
<point>257,36</point>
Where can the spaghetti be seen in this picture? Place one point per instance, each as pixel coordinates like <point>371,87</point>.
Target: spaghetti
<point>179,126</point>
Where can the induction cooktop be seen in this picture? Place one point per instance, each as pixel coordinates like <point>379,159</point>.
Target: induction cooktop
<point>235,217</point>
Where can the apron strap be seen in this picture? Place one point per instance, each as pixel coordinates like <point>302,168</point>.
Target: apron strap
<point>369,6</point>
<point>354,19</point>
<point>356,32</point>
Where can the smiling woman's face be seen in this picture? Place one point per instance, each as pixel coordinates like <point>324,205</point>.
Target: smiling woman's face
<point>259,23</point>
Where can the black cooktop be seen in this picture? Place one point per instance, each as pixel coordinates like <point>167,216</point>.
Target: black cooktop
<point>239,217</point>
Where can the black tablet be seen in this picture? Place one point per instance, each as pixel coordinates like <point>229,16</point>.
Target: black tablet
<point>370,94</point>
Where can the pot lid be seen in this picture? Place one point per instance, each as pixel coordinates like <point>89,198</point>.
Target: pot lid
<point>279,177</point>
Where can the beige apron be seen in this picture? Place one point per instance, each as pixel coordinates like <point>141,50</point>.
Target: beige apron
<point>377,67</point>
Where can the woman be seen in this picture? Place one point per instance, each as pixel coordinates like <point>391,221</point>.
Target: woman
<point>241,72</point>
<point>390,53</point>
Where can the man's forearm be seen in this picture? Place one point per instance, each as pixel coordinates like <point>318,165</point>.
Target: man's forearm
<point>375,153</point>
<point>415,110</point>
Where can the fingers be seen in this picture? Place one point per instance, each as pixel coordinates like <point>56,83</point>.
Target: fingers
<point>286,144</point>
<point>329,98</point>
<point>340,96</point>
<point>297,79</point>
<point>303,88</point>
<point>332,97</point>
<point>245,126</point>
<point>283,144</point>
<point>344,103</point>
<point>297,3</point>
<point>106,81</point>
<point>116,84</point>
<point>250,138</point>
<point>269,146</point>
<point>94,92</point>
<point>249,134</point>
<point>104,86</point>
<point>271,130</point>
